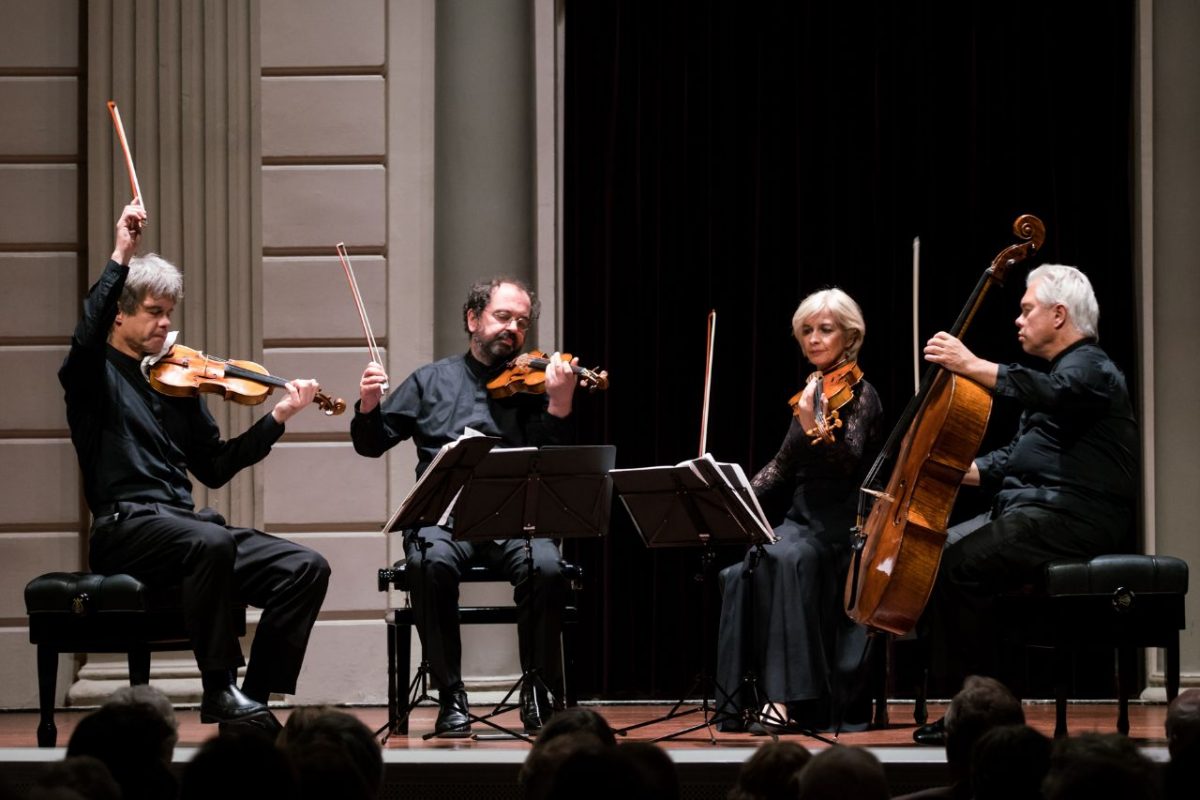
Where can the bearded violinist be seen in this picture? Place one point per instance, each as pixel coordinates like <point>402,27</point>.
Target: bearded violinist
<point>434,406</point>
<point>136,447</point>
<point>1065,486</point>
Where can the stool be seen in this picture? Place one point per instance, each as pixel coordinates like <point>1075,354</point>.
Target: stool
<point>81,612</point>
<point>400,623</point>
<point>1122,601</point>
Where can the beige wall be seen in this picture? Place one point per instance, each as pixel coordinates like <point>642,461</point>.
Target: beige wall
<point>40,268</point>
<point>326,174</point>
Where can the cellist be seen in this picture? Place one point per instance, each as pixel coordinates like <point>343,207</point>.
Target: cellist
<point>1066,484</point>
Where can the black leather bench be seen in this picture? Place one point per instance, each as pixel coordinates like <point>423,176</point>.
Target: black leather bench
<point>81,612</point>
<point>1122,601</point>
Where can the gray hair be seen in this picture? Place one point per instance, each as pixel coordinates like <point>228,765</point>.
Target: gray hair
<point>846,313</point>
<point>152,275</point>
<point>1067,286</point>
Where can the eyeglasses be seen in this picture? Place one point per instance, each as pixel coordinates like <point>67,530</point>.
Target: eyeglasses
<point>506,318</point>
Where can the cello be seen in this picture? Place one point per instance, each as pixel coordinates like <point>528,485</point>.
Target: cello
<point>897,549</point>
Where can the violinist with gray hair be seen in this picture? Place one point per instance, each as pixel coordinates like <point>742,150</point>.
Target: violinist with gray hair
<point>136,448</point>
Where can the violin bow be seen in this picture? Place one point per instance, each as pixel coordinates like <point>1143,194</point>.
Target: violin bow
<point>708,361</point>
<point>344,256</point>
<point>120,129</point>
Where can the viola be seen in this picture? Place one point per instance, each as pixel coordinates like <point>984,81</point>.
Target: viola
<point>184,372</point>
<point>527,373</point>
<point>835,387</point>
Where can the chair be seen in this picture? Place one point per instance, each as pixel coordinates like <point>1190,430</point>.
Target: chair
<point>1122,601</point>
<point>400,623</point>
<point>81,612</point>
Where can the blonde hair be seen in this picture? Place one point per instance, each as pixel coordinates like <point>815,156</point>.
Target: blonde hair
<point>846,313</point>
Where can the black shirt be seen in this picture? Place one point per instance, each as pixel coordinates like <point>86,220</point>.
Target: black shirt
<point>439,401</point>
<point>133,443</point>
<point>1076,445</point>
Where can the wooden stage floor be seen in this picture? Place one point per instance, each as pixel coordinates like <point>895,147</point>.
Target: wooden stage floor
<point>707,765</point>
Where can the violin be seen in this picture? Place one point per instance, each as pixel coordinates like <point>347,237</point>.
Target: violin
<point>184,372</point>
<point>835,387</point>
<point>527,373</point>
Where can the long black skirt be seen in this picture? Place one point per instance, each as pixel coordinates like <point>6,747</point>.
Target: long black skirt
<point>784,636</point>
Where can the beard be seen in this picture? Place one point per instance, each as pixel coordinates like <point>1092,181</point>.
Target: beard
<point>500,347</point>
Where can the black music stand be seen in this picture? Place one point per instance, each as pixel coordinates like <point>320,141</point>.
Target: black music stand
<point>699,502</point>
<point>559,492</point>
<point>427,504</point>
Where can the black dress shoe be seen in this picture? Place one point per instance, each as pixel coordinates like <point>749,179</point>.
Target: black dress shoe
<point>452,719</point>
<point>535,707</point>
<point>934,733</point>
<point>228,704</point>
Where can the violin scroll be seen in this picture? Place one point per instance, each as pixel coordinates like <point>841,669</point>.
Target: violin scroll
<point>331,406</point>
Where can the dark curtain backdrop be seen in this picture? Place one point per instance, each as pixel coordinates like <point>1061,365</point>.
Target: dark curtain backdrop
<point>737,156</point>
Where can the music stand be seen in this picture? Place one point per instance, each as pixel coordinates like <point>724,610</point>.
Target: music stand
<point>697,502</point>
<point>525,493</point>
<point>427,504</point>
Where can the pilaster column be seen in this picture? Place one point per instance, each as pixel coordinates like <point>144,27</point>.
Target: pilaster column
<point>484,167</point>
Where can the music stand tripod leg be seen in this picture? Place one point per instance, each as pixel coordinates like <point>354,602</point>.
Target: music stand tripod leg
<point>530,676</point>
<point>703,682</point>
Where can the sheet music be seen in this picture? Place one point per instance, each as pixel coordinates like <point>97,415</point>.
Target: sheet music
<point>646,493</point>
<point>732,481</point>
<point>428,475</point>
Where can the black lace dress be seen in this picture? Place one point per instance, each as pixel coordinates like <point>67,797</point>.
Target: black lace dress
<point>784,623</point>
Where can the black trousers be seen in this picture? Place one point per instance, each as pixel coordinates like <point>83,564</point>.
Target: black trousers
<point>994,553</point>
<point>219,566</point>
<point>540,600</point>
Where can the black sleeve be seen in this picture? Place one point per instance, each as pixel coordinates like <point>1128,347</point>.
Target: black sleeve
<point>215,461</point>
<point>389,423</point>
<point>83,369</point>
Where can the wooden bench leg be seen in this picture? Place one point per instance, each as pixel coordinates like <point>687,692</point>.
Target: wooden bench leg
<point>1173,667</point>
<point>1126,670</point>
<point>399,662</point>
<point>570,636</point>
<point>139,666</point>
<point>47,666</point>
<point>879,666</point>
<point>1062,677</point>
